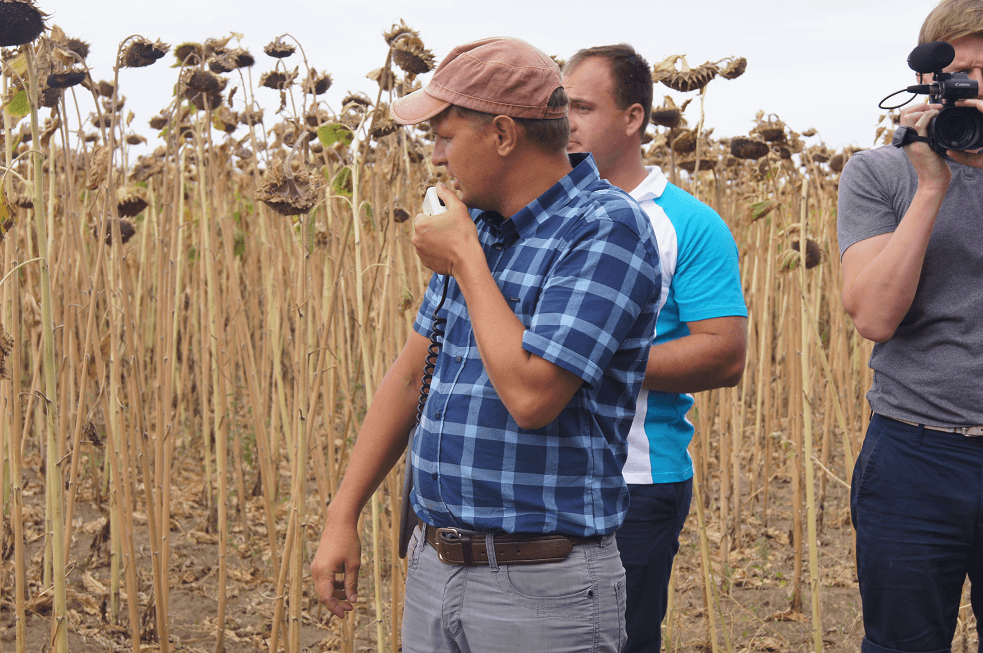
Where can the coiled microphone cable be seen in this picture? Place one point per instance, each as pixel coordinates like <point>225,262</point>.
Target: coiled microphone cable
<point>433,350</point>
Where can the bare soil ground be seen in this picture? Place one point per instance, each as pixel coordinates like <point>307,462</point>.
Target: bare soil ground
<point>751,601</point>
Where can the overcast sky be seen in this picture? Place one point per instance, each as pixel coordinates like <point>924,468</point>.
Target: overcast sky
<point>823,65</point>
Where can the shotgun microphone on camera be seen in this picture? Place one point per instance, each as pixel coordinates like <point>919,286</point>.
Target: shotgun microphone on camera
<point>931,57</point>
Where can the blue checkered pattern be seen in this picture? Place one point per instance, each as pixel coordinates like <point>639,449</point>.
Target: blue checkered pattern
<point>580,267</point>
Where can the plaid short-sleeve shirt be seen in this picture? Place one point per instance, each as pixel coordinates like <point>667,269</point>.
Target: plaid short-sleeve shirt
<point>580,268</point>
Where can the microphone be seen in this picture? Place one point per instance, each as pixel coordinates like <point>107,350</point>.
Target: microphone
<point>931,57</point>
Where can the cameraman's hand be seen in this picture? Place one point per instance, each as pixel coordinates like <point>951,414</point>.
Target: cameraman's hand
<point>444,240</point>
<point>931,168</point>
<point>974,159</point>
<point>338,552</point>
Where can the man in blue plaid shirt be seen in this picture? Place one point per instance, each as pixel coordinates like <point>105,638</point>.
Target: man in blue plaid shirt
<point>552,283</point>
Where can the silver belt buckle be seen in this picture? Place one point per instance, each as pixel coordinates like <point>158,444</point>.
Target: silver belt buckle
<point>971,431</point>
<point>449,535</point>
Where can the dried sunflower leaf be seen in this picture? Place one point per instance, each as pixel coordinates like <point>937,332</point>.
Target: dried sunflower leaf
<point>334,133</point>
<point>759,210</point>
<point>18,106</point>
<point>342,182</point>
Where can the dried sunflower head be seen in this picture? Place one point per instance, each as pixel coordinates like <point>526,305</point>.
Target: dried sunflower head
<point>748,148</point>
<point>215,47</point>
<point>316,84</point>
<point>278,49</point>
<point>102,120</point>
<point>689,164</point>
<point>126,231</point>
<point>316,117</point>
<point>102,88</point>
<point>289,192</point>
<point>733,68</point>
<point>685,142</point>
<point>225,119</point>
<point>66,78</point>
<point>772,129</point>
<point>683,78</point>
<point>242,57</point>
<point>20,22</point>
<point>222,63</point>
<point>158,122</point>
<point>131,201</point>
<point>251,116</point>
<point>666,117</point>
<point>185,50</point>
<point>78,46</point>
<point>398,30</point>
<point>411,56</point>
<point>135,139</point>
<point>203,81</point>
<point>146,167</point>
<point>814,253</point>
<point>382,124</point>
<point>278,80</point>
<point>203,101</point>
<point>50,97</point>
<point>141,52</point>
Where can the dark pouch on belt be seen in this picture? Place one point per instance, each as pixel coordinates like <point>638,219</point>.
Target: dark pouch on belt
<point>407,518</point>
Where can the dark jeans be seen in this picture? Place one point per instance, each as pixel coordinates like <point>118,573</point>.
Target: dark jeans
<point>917,505</point>
<point>648,541</point>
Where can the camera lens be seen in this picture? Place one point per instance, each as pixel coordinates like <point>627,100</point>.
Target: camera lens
<point>958,128</point>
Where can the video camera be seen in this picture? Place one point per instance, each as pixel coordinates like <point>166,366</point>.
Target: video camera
<point>954,128</point>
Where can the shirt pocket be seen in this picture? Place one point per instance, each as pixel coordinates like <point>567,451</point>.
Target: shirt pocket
<point>521,299</point>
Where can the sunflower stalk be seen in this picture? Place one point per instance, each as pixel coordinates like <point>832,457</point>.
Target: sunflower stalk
<point>53,472</point>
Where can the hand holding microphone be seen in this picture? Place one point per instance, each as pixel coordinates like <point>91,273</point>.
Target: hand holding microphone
<point>444,233</point>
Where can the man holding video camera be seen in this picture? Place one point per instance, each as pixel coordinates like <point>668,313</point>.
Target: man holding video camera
<point>911,241</point>
<point>552,284</point>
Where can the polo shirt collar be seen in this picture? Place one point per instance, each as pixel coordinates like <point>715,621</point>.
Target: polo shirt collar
<point>652,186</point>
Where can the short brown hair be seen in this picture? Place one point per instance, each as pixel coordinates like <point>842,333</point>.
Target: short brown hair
<point>953,19</point>
<point>632,75</point>
<point>552,134</point>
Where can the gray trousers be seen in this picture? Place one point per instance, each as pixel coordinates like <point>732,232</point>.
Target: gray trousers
<point>577,605</point>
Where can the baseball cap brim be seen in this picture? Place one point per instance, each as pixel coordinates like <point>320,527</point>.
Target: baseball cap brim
<point>417,107</point>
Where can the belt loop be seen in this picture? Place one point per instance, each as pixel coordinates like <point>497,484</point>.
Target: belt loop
<point>490,549</point>
<point>919,435</point>
<point>466,550</point>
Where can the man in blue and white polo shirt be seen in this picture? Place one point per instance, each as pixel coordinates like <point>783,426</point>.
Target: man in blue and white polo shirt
<point>700,338</point>
<point>552,287</point>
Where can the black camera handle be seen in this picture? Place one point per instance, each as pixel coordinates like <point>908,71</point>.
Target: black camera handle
<point>905,135</point>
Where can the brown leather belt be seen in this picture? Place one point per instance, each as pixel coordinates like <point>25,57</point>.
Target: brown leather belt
<point>467,548</point>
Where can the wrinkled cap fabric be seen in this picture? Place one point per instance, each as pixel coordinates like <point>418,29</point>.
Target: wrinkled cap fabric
<point>500,75</point>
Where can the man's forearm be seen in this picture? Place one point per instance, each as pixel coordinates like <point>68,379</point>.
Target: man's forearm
<point>384,433</point>
<point>881,277</point>
<point>711,356</point>
<point>532,389</point>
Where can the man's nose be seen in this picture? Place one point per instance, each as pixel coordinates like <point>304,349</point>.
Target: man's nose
<point>437,157</point>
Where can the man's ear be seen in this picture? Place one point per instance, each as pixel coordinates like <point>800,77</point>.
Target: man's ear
<point>505,130</point>
<point>634,115</point>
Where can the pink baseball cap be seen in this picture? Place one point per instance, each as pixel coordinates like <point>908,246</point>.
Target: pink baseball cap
<point>500,75</point>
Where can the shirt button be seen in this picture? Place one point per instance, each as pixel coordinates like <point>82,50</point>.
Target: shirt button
<point>458,359</point>
<point>498,246</point>
<point>438,415</point>
<point>434,476</point>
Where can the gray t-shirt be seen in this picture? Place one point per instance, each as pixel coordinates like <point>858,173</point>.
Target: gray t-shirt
<point>931,370</point>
